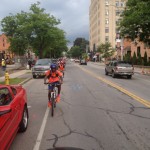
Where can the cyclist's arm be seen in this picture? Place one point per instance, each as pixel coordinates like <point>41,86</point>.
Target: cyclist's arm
<point>45,78</point>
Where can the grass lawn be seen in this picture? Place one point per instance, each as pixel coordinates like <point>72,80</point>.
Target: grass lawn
<point>14,81</point>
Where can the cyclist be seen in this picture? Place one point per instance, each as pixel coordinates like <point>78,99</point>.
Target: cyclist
<point>61,67</point>
<point>54,77</point>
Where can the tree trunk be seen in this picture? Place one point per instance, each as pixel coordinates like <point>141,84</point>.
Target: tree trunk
<point>40,54</point>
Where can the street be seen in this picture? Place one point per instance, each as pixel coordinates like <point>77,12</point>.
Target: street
<point>91,115</point>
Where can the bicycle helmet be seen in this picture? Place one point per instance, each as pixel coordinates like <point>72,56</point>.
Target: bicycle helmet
<point>53,67</point>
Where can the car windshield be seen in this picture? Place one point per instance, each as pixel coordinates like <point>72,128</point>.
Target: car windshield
<point>124,64</point>
<point>43,62</point>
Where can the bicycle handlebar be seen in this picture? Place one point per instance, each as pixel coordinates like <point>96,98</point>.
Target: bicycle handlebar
<point>53,84</point>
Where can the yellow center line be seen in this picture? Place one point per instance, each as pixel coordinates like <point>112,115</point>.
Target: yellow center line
<point>137,98</point>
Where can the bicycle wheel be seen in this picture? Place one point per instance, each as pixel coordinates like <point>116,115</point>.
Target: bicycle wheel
<point>53,103</point>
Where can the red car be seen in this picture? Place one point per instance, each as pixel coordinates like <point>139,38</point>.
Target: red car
<point>13,113</point>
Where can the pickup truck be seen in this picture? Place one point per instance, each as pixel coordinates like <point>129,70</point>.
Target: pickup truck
<point>121,68</point>
<point>13,113</point>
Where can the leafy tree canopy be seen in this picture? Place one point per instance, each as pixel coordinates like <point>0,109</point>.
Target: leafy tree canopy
<point>81,42</point>
<point>106,50</point>
<point>136,20</point>
<point>36,29</point>
<point>75,52</point>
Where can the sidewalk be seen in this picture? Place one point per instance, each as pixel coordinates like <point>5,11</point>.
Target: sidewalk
<point>136,69</point>
<point>15,74</point>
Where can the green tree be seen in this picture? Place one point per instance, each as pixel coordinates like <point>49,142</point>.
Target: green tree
<point>139,59</point>
<point>36,29</point>
<point>82,43</point>
<point>75,52</point>
<point>136,20</point>
<point>134,59</point>
<point>145,59</point>
<point>106,50</point>
<point>127,58</point>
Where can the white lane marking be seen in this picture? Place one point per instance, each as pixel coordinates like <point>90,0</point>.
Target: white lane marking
<point>40,135</point>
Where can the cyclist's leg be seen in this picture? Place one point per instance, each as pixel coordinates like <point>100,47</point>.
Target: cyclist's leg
<point>49,95</point>
<point>59,90</point>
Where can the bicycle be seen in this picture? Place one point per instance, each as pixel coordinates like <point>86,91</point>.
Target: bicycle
<point>52,99</point>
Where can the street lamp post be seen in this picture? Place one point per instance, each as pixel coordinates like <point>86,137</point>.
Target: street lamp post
<point>119,40</point>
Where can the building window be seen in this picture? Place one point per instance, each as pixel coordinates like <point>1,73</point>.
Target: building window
<point>122,4</point>
<point>106,21</point>
<point>117,12</point>
<point>106,3</point>
<point>3,44</point>
<point>106,38</point>
<point>117,3</point>
<point>106,30</point>
<point>106,12</point>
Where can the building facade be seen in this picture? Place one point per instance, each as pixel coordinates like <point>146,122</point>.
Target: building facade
<point>4,47</point>
<point>104,18</point>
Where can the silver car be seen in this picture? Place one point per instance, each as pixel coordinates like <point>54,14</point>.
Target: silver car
<point>121,68</point>
<point>40,67</point>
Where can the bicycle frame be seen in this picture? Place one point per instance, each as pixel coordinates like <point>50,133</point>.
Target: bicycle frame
<point>53,97</point>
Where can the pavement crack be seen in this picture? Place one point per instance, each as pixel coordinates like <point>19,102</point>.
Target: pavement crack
<point>70,131</point>
<point>55,141</point>
<point>119,126</point>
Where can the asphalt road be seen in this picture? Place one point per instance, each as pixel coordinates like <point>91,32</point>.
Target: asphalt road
<point>92,114</point>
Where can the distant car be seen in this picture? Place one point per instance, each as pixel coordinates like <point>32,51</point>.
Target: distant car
<point>121,68</point>
<point>83,62</point>
<point>13,113</point>
<point>72,59</point>
<point>40,67</point>
<point>76,60</point>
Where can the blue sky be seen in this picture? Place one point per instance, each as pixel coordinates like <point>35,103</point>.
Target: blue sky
<point>74,14</point>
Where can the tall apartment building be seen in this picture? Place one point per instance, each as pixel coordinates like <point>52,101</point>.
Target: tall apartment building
<point>104,16</point>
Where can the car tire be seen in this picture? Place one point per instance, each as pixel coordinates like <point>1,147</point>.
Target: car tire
<point>113,74</point>
<point>34,76</point>
<point>129,76</point>
<point>24,121</point>
<point>106,73</point>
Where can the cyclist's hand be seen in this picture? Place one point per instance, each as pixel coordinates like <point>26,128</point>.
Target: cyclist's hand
<point>44,82</point>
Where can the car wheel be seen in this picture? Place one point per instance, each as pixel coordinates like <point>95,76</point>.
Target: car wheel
<point>24,121</point>
<point>34,76</point>
<point>113,74</point>
<point>106,73</point>
<point>129,76</point>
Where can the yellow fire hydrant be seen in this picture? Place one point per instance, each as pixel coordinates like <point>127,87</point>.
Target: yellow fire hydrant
<point>7,78</point>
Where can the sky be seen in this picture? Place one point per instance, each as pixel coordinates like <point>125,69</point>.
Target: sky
<point>74,14</point>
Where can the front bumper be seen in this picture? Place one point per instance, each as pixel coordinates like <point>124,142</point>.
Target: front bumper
<point>38,73</point>
<point>124,73</point>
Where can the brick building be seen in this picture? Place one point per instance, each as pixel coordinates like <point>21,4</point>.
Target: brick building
<point>138,47</point>
<point>4,47</point>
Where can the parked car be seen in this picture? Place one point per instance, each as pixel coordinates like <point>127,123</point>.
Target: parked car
<point>13,113</point>
<point>83,62</point>
<point>40,67</point>
<point>121,68</point>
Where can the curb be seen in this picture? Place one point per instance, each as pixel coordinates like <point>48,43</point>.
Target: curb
<point>134,71</point>
<point>25,81</point>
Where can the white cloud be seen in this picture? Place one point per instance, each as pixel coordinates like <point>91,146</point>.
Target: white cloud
<point>72,13</point>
